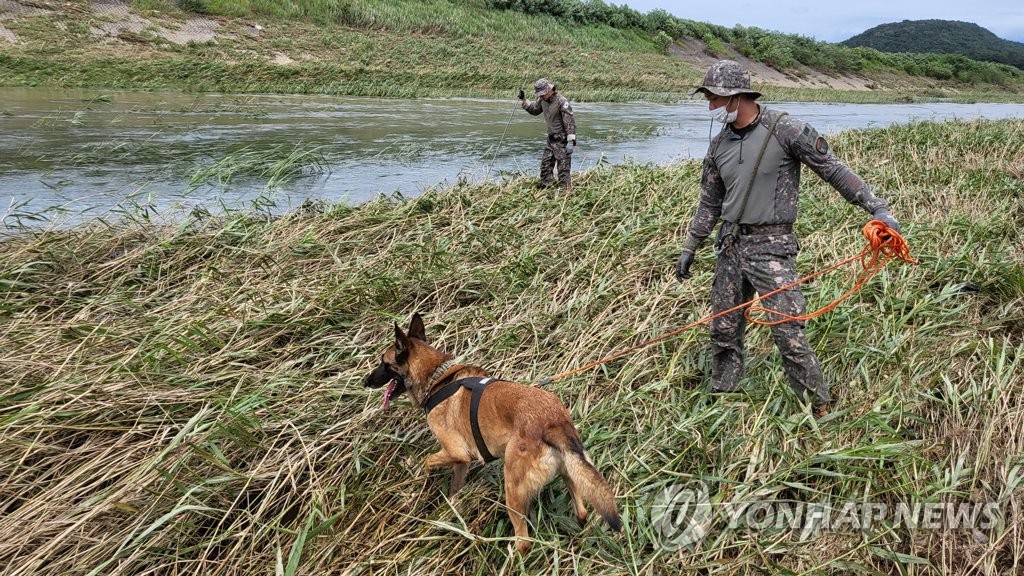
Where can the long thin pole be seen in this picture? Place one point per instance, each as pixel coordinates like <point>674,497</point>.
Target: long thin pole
<point>487,173</point>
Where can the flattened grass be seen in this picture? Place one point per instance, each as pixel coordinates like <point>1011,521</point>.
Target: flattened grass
<point>188,399</point>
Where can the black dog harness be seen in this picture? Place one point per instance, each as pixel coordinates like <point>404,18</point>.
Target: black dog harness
<point>475,384</point>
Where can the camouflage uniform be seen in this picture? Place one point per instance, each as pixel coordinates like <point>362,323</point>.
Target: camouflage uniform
<point>756,246</point>
<point>561,128</point>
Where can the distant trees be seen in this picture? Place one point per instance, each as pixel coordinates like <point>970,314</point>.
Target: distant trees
<point>941,37</point>
<point>928,50</point>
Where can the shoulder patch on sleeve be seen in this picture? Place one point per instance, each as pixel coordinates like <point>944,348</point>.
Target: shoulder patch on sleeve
<point>821,145</point>
<point>566,107</point>
<point>806,136</point>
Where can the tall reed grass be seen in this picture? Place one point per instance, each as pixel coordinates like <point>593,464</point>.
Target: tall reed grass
<point>187,399</point>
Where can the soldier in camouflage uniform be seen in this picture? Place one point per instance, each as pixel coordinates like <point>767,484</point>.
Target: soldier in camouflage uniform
<point>755,245</point>
<point>561,131</point>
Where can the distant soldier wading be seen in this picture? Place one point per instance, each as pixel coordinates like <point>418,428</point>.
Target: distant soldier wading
<point>561,131</point>
<point>750,179</point>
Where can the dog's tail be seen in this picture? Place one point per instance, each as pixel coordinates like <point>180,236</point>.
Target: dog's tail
<point>589,484</point>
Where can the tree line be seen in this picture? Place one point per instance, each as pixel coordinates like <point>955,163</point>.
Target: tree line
<point>941,37</point>
<point>782,51</point>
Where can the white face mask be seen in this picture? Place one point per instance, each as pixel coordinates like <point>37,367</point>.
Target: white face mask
<point>722,114</point>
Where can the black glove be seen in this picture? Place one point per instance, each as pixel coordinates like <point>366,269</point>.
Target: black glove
<point>683,266</point>
<point>522,95</point>
<point>569,147</point>
<point>887,217</point>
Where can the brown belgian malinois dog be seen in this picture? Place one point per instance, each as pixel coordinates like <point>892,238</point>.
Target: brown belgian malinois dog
<point>475,417</point>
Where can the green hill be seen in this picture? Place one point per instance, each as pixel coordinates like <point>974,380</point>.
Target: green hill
<point>941,37</point>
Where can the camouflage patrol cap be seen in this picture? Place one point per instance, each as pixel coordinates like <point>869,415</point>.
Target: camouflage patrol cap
<point>542,86</point>
<point>726,78</point>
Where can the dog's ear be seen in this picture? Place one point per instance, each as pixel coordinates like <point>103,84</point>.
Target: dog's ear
<point>416,329</point>
<point>402,343</point>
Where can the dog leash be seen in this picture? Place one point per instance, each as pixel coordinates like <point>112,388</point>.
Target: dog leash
<point>883,244</point>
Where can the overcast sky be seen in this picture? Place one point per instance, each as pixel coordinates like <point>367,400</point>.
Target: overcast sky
<point>835,21</point>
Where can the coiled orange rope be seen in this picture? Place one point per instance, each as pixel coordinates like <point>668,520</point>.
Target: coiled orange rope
<point>883,244</point>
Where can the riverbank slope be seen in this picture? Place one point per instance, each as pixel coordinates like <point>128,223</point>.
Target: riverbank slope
<point>405,49</point>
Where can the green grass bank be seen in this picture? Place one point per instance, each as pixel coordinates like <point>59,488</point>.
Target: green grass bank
<point>187,399</point>
<point>441,48</point>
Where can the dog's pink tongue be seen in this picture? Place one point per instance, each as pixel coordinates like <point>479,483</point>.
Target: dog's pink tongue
<point>388,392</point>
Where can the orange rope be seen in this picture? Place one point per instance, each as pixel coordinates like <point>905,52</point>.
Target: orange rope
<point>883,244</point>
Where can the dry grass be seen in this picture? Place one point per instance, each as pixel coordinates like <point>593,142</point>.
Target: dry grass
<point>188,399</point>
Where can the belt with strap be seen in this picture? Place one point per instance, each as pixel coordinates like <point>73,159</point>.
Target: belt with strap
<point>476,385</point>
<point>764,230</point>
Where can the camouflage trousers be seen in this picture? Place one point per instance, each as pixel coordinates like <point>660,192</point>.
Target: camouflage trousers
<point>554,153</point>
<point>761,263</point>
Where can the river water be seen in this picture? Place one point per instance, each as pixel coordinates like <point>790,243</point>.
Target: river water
<point>66,155</point>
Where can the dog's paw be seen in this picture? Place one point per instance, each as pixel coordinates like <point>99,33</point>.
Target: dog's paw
<point>434,461</point>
